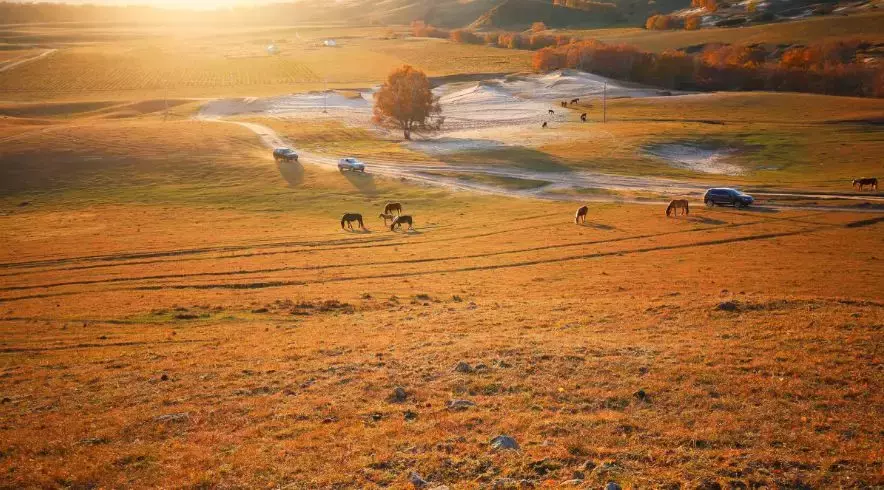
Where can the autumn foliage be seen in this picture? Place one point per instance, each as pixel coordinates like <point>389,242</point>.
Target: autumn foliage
<point>828,68</point>
<point>406,102</point>
<point>664,22</point>
<point>709,5</point>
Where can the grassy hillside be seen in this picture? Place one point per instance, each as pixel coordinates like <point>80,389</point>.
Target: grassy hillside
<point>865,26</point>
<point>179,311</point>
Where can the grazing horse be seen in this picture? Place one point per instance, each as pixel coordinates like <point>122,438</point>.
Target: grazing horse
<point>349,218</point>
<point>552,112</point>
<point>393,206</point>
<point>398,221</point>
<point>583,117</point>
<point>543,125</point>
<point>872,182</point>
<point>677,204</point>
<point>564,104</point>
<point>575,101</point>
<point>386,217</point>
<point>581,213</point>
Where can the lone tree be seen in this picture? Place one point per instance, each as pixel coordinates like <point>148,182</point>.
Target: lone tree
<point>406,102</point>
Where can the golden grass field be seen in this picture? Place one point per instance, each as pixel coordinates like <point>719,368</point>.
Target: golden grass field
<point>864,26</point>
<point>177,310</point>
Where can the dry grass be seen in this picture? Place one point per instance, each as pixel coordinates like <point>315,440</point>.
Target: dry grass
<point>179,314</point>
<point>178,311</point>
<point>281,339</point>
<point>794,141</point>
<point>158,63</point>
<point>866,26</point>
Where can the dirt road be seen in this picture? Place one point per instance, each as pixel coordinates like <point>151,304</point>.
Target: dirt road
<point>12,64</point>
<point>551,185</point>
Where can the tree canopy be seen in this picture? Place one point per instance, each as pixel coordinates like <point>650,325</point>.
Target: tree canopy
<point>406,102</point>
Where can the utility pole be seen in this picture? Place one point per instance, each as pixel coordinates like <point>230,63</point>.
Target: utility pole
<point>605,104</point>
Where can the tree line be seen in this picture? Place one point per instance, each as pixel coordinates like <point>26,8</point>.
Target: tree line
<point>829,67</point>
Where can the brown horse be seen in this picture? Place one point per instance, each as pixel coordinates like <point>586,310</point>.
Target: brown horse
<point>349,218</point>
<point>393,206</point>
<point>386,217</point>
<point>575,101</point>
<point>398,221</point>
<point>564,104</point>
<point>551,112</point>
<point>677,204</point>
<point>581,213</point>
<point>543,125</point>
<point>583,117</point>
<point>872,182</point>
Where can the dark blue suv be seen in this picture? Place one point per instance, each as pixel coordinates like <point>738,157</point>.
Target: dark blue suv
<point>724,196</point>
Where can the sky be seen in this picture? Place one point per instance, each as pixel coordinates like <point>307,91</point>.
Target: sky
<point>185,4</point>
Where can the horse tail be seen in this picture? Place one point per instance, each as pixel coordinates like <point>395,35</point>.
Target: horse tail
<point>342,222</point>
<point>687,208</point>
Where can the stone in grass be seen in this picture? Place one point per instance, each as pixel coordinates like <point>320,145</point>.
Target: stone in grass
<point>728,306</point>
<point>173,417</point>
<point>458,405</point>
<point>641,396</point>
<point>504,442</point>
<point>463,367</point>
<point>612,486</point>
<point>417,480</point>
<point>399,395</point>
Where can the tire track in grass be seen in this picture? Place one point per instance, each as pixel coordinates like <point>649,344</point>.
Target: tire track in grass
<point>526,263</point>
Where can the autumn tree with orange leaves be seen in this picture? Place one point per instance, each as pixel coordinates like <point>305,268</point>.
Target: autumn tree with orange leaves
<point>406,102</point>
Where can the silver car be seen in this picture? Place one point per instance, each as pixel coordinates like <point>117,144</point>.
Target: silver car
<point>351,164</point>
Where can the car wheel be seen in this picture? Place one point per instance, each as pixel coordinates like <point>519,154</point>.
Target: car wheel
<point>709,203</point>
<point>738,205</point>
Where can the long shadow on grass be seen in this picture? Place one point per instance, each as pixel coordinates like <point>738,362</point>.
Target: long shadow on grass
<point>292,172</point>
<point>514,156</point>
<point>362,182</point>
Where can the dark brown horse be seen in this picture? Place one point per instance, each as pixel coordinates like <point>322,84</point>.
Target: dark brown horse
<point>349,218</point>
<point>872,182</point>
<point>677,204</point>
<point>551,112</point>
<point>583,117</point>
<point>564,104</point>
<point>575,101</point>
<point>400,220</point>
<point>543,125</point>
<point>393,206</point>
<point>582,211</point>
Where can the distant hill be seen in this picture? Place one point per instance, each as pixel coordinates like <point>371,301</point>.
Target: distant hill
<point>506,14</point>
<point>515,14</point>
<point>481,14</point>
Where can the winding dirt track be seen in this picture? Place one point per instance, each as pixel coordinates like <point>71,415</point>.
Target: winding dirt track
<point>556,181</point>
<point>15,63</point>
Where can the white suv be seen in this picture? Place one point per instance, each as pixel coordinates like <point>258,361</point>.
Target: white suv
<point>351,164</point>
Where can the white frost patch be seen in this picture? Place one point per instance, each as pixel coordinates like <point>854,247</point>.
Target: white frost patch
<point>696,158</point>
<point>498,102</point>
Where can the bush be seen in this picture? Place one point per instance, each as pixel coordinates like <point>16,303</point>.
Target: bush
<point>465,36</point>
